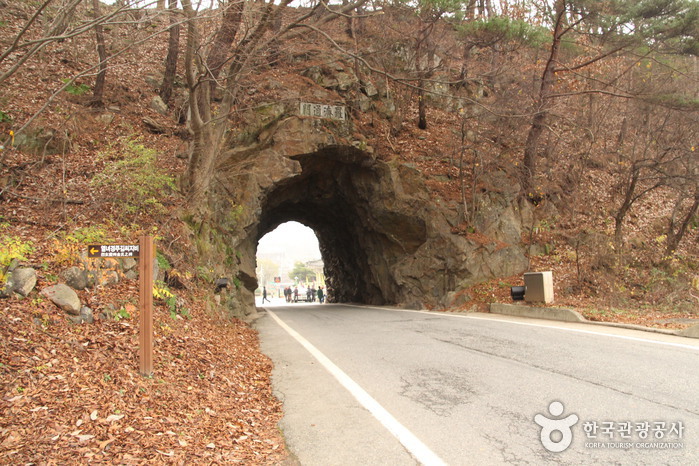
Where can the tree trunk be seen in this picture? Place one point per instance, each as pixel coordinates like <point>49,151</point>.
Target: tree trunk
<point>543,103</point>
<point>173,52</point>
<point>424,64</point>
<point>62,19</point>
<point>466,58</point>
<point>98,92</point>
<point>422,109</point>
<point>625,206</point>
<point>674,233</point>
<point>221,47</point>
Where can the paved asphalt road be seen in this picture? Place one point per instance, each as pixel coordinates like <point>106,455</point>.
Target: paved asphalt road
<point>374,386</point>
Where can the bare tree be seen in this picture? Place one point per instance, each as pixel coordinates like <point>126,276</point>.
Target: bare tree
<point>683,178</point>
<point>98,91</point>
<point>679,222</point>
<point>23,48</point>
<point>228,67</point>
<point>173,51</point>
<point>661,26</point>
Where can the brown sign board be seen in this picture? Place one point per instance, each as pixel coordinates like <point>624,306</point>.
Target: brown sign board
<point>113,250</point>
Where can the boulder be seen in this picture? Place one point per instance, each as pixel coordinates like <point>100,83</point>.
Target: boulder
<point>158,105</point>
<point>64,297</point>
<point>92,278</point>
<point>75,277</point>
<point>369,89</point>
<point>457,299</point>
<point>128,263</point>
<point>21,280</point>
<point>110,277</point>
<point>86,315</point>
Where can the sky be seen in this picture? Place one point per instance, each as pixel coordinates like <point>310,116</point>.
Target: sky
<point>298,241</point>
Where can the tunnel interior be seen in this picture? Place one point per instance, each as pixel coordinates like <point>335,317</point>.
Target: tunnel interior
<point>339,195</point>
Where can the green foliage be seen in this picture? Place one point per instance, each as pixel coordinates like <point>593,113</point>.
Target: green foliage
<point>301,272</point>
<point>68,245</point>
<point>122,314</point>
<point>76,89</point>
<point>500,28</point>
<point>163,263</point>
<point>675,101</point>
<point>233,216</point>
<point>5,117</point>
<point>12,247</point>
<point>666,24</point>
<point>205,274</point>
<point>163,293</point>
<point>131,171</point>
<point>87,235</point>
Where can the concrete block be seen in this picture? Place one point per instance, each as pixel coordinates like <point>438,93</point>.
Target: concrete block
<point>550,313</point>
<point>691,332</point>
<point>539,287</point>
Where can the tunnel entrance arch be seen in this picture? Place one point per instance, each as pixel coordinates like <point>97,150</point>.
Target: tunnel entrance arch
<point>335,194</point>
<point>383,239</point>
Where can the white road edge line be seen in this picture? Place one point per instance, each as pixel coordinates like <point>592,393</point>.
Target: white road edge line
<point>414,445</point>
<point>555,327</point>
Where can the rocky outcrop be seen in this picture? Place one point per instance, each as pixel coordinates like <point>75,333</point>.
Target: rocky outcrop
<point>383,239</point>
<point>21,281</point>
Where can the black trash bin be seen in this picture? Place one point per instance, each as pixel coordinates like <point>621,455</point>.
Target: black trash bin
<point>517,293</point>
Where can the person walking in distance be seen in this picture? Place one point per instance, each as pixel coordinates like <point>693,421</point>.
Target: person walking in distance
<point>264,295</point>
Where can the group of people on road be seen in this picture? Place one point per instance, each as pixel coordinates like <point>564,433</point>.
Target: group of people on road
<point>292,295</point>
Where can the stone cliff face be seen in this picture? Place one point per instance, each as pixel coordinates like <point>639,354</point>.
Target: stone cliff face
<point>383,239</point>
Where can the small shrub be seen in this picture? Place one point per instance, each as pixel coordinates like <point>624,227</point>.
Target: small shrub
<point>204,273</point>
<point>163,263</point>
<point>12,247</point>
<point>76,89</point>
<point>122,314</point>
<point>69,245</point>
<point>5,117</point>
<point>163,293</point>
<point>132,174</point>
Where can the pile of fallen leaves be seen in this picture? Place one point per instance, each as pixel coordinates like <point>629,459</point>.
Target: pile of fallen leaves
<point>73,393</point>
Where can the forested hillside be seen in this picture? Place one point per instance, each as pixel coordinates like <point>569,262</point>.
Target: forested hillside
<point>590,106</point>
<point>113,116</point>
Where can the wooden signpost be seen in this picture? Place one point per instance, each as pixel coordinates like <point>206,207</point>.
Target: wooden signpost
<point>145,273</point>
<point>145,252</point>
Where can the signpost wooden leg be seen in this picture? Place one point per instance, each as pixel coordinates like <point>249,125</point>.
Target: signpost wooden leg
<point>145,350</point>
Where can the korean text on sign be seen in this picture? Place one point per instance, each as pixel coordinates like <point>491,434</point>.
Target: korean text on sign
<point>113,250</point>
<point>333,112</point>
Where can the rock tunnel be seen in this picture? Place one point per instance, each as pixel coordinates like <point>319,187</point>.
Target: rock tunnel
<point>383,237</point>
<point>361,229</point>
